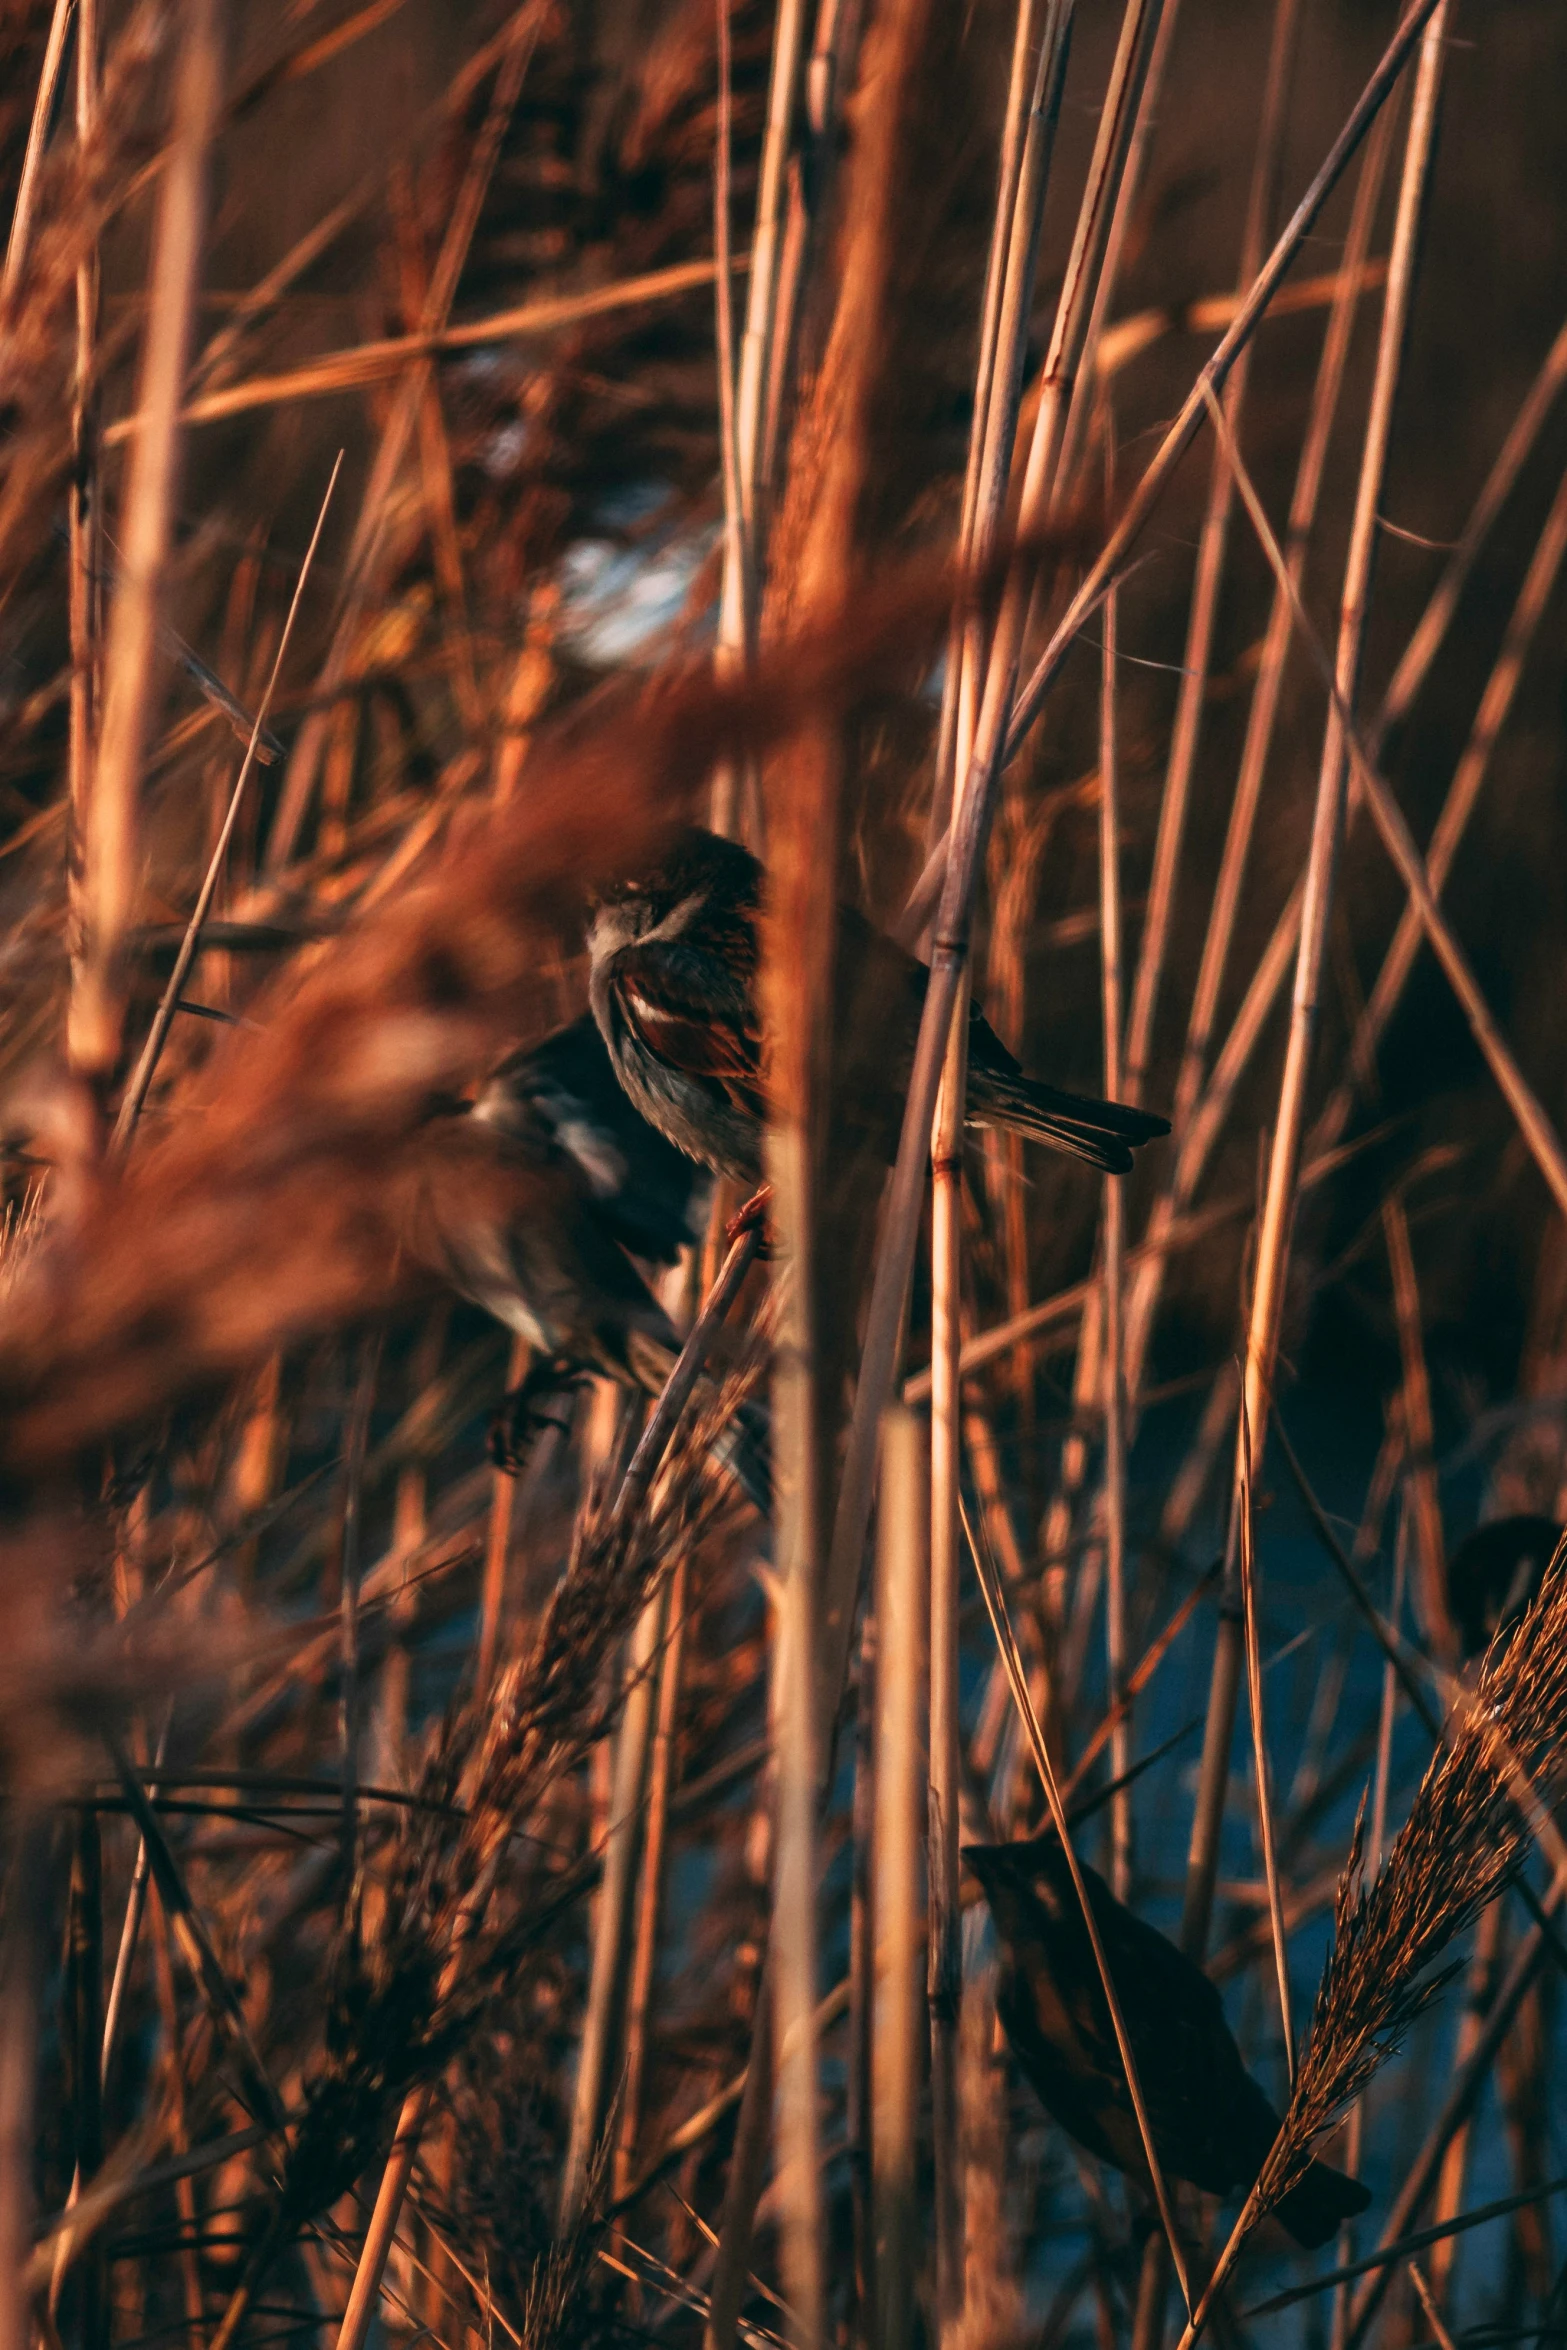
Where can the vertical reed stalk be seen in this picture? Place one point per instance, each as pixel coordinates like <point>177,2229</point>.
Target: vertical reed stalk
<point>1273,1246</point>
<point>1422,1501</point>
<point>1538,1132</point>
<point>1259,1746</point>
<point>112,850</point>
<point>613,1916</point>
<point>743,548</point>
<point>146,1066</point>
<point>497,1545</point>
<point>21,1974</point>
<point>21,231</point>
<point>1495,704</point>
<point>83,518</point>
<point>350,1705</point>
<point>858,2116</point>
<point>896,1884</point>
<point>650,1893</point>
<point>369,531</point>
<point>1478,1992</point>
<point>1212,546</point>
<point>1268,691</point>
<point>1114,1363</point>
<point>944,1956</point>
<point>997,739</point>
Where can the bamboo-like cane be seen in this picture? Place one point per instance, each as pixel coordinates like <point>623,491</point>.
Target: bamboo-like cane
<point>1212,546</point>
<point>743,552</point>
<point>1538,1132</point>
<point>1423,1500</point>
<point>1194,1136</point>
<point>21,1980</point>
<point>146,1066</point>
<point>1198,1122</point>
<point>21,230</point>
<point>1021,76</point>
<point>111,852</point>
<point>1259,1747</point>
<point>85,565</point>
<point>895,1877</point>
<point>1495,704</point>
<point>1114,1360</point>
<point>996,1608</point>
<point>944,1957</point>
<point>644,1954</point>
<point>614,1913</point>
<point>1284,1158</point>
<point>365,544</point>
<point>894,1261</point>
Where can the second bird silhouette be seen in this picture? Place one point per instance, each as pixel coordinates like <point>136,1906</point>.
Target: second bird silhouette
<point>1211,2122</point>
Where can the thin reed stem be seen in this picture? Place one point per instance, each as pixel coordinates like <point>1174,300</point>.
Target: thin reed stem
<point>944,1957</point>
<point>146,1066</point>
<point>613,1915</point>
<point>1208,579</point>
<point>1114,1359</point>
<point>112,850</point>
<point>895,1879</point>
<point>1259,1747</point>
<point>996,1607</point>
<point>1535,1126</point>
<point>21,231</point>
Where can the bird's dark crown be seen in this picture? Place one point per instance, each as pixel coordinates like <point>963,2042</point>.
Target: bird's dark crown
<point>694,861</point>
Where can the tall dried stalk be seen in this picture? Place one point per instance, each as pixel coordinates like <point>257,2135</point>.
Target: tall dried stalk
<point>1194,1137</point>
<point>994,742</point>
<point>1114,1355</point>
<point>1272,1257</point>
<point>369,530</point>
<point>85,533</point>
<point>895,1880</point>
<point>1423,1503</point>
<point>1534,1124</point>
<point>111,849</point>
<point>614,1914</point>
<point>21,230</point>
<point>1208,577</point>
<point>944,1955</point>
<point>1491,716</point>
<point>147,1062</point>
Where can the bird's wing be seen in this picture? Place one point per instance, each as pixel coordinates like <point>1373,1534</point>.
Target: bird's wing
<point>688,1030</point>
<point>648,1194</point>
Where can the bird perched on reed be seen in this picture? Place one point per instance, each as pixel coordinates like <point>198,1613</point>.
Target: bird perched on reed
<point>599,1193</point>
<point>673,984</point>
<point>1211,2122</point>
<point>1495,1572</point>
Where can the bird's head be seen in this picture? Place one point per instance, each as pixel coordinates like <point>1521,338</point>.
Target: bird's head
<point>700,879</point>
<point>1030,1873</point>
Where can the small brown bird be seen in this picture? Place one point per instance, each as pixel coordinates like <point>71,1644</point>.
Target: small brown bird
<point>1494,1573</point>
<point>1211,2123</point>
<point>598,1193</point>
<point>673,984</point>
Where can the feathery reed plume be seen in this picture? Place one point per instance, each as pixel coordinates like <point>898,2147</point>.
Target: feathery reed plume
<point>407,1993</point>
<point>1467,1832</point>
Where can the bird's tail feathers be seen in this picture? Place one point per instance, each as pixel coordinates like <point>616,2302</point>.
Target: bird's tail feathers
<point>1318,2204</point>
<point>1104,1133</point>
